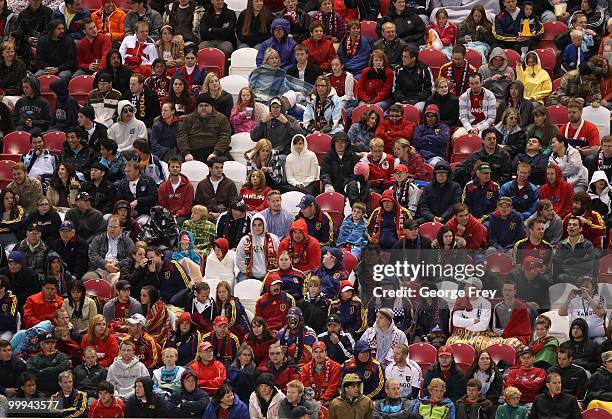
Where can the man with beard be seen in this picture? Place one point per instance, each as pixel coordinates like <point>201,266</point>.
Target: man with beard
<point>119,75</point>
<point>275,303</point>
<point>339,344</point>
<point>457,72</point>
<point>305,250</point>
<point>498,159</point>
<point>581,134</point>
<point>593,225</point>
<point>225,344</point>
<point>322,374</point>
<point>297,337</point>
<point>553,224</point>
<point>575,256</point>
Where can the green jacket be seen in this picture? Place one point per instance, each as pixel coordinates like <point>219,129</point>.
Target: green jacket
<point>443,410</point>
<point>196,133</point>
<point>28,193</point>
<point>47,368</point>
<point>505,411</point>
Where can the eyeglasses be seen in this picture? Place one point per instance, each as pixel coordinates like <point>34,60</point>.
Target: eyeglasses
<point>127,110</point>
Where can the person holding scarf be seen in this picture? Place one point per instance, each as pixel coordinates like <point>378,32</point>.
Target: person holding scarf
<point>457,71</point>
<point>543,345</point>
<point>304,250</point>
<point>231,308</point>
<point>324,113</point>
<point>256,251</point>
<point>138,51</point>
<point>350,310</point>
<point>225,344</point>
<point>386,221</point>
<point>321,374</point>
<point>294,280</point>
<point>333,23</point>
<point>275,303</point>
<point>156,313</point>
<point>297,337</point>
<point>354,50</point>
<point>471,316</point>
<point>384,336</point>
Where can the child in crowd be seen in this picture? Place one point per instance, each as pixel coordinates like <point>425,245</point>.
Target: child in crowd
<point>352,235</point>
<point>574,54</point>
<point>159,82</point>
<point>350,310</point>
<point>441,33</point>
<point>358,189</point>
<point>202,230</point>
<point>535,27</point>
<point>168,378</point>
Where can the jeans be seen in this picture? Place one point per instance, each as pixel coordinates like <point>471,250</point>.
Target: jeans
<point>66,74</point>
<point>224,46</point>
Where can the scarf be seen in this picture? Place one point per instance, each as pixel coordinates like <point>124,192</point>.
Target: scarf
<point>301,259</point>
<point>449,73</point>
<point>388,340</point>
<point>294,343</point>
<point>577,133</point>
<point>268,249</point>
<point>158,322</point>
<point>399,221</point>
<point>351,47</point>
<point>224,353</point>
<point>485,379</point>
<point>326,373</point>
<point>291,16</point>
<point>320,296</point>
<point>319,111</point>
<point>329,22</point>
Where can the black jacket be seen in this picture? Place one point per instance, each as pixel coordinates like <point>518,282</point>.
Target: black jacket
<point>184,404</point>
<point>253,36</point>
<point>586,352</point>
<point>36,108</point>
<point>211,26</point>
<point>10,77</point>
<point>481,409</point>
<point>600,386</point>
<point>151,106</point>
<point>156,405</point>
<point>60,53</point>
<point>341,351</point>
<point>138,277</point>
<point>120,75</point>
<point>22,284</point>
<point>80,161</point>
<point>9,373</point>
<point>515,142</point>
<point>409,26</point>
<point>412,85</point>
<point>34,22</point>
<point>66,107</point>
<point>573,379</point>
<point>563,406</point>
<point>315,312</point>
<point>87,224</point>
<point>311,72</point>
<point>448,106</point>
<point>99,134</point>
<point>231,229</point>
<point>500,162</point>
<point>538,163</point>
<point>73,253</point>
<point>336,171</point>
<point>455,386</point>
<point>146,194</point>
<point>437,199</point>
<point>50,224</point>
<point>103,195</point>
<point>86,379</point>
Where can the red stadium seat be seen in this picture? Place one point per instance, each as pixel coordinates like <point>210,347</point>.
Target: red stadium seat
<point>473,57</point>
<point>429,171</point>
<point>557,114</point>
<point>55,140</point>
<point>556,83</point>
<point>454,165</point>
<point>411,113</point>
<point>500,264</point>
<point>374,201</point>
<point>605,269</point>
<point>548,59</point>
<point>45,82</point>
<point>16,142</point>
<point>79,88</point>
<point>502,352</point>
<point>124,4</point>
<point>349,261</point>
<point>384,7</point>
<point>596,413</point>
<point>513,58</point>
<point>551,30</point>
<point>6,169</point>
<point>319,144</point>
<point>464,146</point>
<point>430,229</point>
<point>368,29</point>
<point>90,4</point>
<point>213,59</point>
<point>464,355</point>
<point>333,203</point>
<point>423,354</point>
<point>14,157</point>
<point>99,288</point>
<point>432,58</point>
<point>361,109</point>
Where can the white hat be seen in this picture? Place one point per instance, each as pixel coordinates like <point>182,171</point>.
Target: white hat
<point>473,281</point>
<point>137,319</point>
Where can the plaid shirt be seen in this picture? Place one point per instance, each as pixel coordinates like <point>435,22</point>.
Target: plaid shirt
<point>204,232</point>
<point>277,175</point>
<point>572,87</point>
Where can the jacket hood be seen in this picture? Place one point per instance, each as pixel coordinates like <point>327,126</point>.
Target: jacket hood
<point>122,104</point>
<point>360,346</point>
<point>583,325</point>
<point>432,108</point>
<point>291,96</point>
<point>559,177</point>
<point>147,383</point>
<point>191,244</point>
<point>51,256</point>
<point>53,24</point>
<point>498,52</point>
<point>519,85</point>
<point>442,166</point>
<point>35,85</point>
<point>387,195</point>
<point>187,373</point>
<point>223,245</point>
<point>340,136</point>
<point>271,276</point>
<point>304,151</point>
<point>538,65</point>
<point>282,23</point>
<point>258,216</point>
<point>60,87</point>
<point>110,54</point>
<point>299,225</point>
<point>597,176</point>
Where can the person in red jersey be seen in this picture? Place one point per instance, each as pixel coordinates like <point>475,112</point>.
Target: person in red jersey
<point>321,374</point>
<point>107,405</point>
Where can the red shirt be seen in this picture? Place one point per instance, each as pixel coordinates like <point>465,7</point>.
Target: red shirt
<point>339,83</point>
<point>115,410</point>
<point>476,109</point>
<point>121,311</point>
<point>587,136</point>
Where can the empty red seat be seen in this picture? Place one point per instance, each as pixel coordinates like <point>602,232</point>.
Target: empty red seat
<point>411,113</point>
<point>548,59</point>
<point>557,114</point>
<point>55,140</point>
<point>464,355</point>
<point>551,31</point>
<point>423,354</point>
<point>502,352</point>
<point>79,88</point>
<point>596,413</point>
<point>16,142</point>
<point>212,59</point>
<point>500,264</point>
<point>349,261</point>
<point>374,201</point>
<point>319,144</point>
<point>432,58</point>
<point>45,82</point>
<point>368,29</point>
<point>99,288</point>
<point>6,169</point>
<point>430,229</point>
<point>513,58</point>
<point>473,57</point>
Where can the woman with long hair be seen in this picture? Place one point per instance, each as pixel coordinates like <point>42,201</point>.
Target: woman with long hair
<point>266,398</point>
<point>55,268</point>
<point>376,80</point>
<point>476,31</point>
<point>511,137</point>
<point>262,157</point>
<point>136,270</point>
<point>324,113</point>
<point>47,218</point>
<point>542,128</point>
<point>447,248</point>
<point>407,154</point>
<point>158,317</point>
<point>446,103</point>
<point>484,370</point>
<point>253,24</point>
<point>12,70</point>
<point>343,83</point>
<point>409,26</point>
<point>242,373</point>
<point>260,338</point>
<point>569,160</point>
<point>223,100</point>
<point>13,218</point>
<point>79,306</point>
<point>543,345</point>
<point>363,131</point>
<point>100,337</point>
<point>163,132</point>
<point>432,317</point>
<point>225,399</point>
<point>170,48</point>
<point>184,339</point>
<point>246,113</point>
<point>229,306</point>
<point>441,33</point>
<point>514,98</point>
<point>192,72</point>
<point>180,96</point>
<point>63,187</point>
<point>255,190</point>
<point>294,280</point>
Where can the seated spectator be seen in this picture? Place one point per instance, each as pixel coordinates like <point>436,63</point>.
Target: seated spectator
<point>485,372</point>
<point>79,307</point>
<point>72,15</point>
<point>142,12</point>
<point>222,101</point>
<point>103,257</point>
<point>535,79</point>
<point>125,369</point>
<point>338,163</point>
<point>376,81</point>
<point>436,403</point>
<point>471,315</point>
<point>458,72</point>
<point>599,386</point>
<point>515,100</point>
<point>192,72</point>
<point>533,161</point>
<point>281,42</point>
<point>342,350</point>
<point>314,55</point>
<point>218,28</point>
<point>394,127</point>
<point>350,310</point>
<point>146,349</point>
<point>319,222</point>
<point>39,161</point>
<point>34,250</point>
<point>100,189</point>
<point>586,296</point>
<point>94,132</point>
<point>586,351</point>
<point>314,304</point>
<point>13,223</point>
<point>404,374</point>
<point>521,191</point>
<point>331,273</point>
<point>390,43</point>
<point>180,98</point>
<point>325,385</point>
<point>259,240</point>
<point>126,129</point>
<point>599,192</point>
<point>438,197</point>
<point>253,25</point>
<point>508,26</point>
<point>246,113</point>
<point>234,223</point>
<point>510,316</point>
<point>385,221</point>
<point>505,226</point>
<point>104,100</point>
<point>354,49</point>
<point>574,53</point>
<point>586,142</point>
<point>272,296</point>
<point>557,190</point>
<point>444,372</point>
<point>447,103</point>
<point>569,161</point>
<point>92,49</point>
<point>31,110</point>
<point>481,193</point>
<point>410,28</point>
<point>324,113</point>
<point>13,368</point>
<point>109,19</point>
<point>476,107</point>
<point>107,404</point>
<point>405,190</point>
<point>579,85</point>
<point>55,52</point>
<point>138,50</point>
<point>151,164</point>
<point>220,262</point>
<point>556,397</point>
<point>48,364</point>
<point>362,366</point>
<point>23,281</point>
<point>441,33</point>
<point>138,189</point>
<point>474,401</point>
<point>298,338</point>
<point>203,230</point>
<point>543,345</point>
<point>573,377</point>
<point>77,153</point>
<point>88,375</point>
<point>575,256</point>
<point>159,82</point>
<point>407,155</point>
<point>210,372</point>
<point>71,249</point>
<point>139,95</point>
<point>496,74</point>
<point>8,319</point>
<point>431,137</point>
<point>264,158</point>
<point>333,24</point>
<point>497,158</point>
<point>145,401</point>
<point>363,131</point>
<point>171,47</point>
<point>466,228</point>
<point>381,164</point>
<point>384,350</point>
<point>163,133</point>
<point>526,377</point>
<point>12,70</point>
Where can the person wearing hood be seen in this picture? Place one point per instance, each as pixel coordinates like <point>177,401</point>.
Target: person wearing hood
<point>119,74</point>
<point>226,404</point>
<point>438,198</point>
<point>304,248</point>
<point>384,336</point>
<point>600,383</point>
<point>56,269</point>
<point>220,262</point>
<point>514,97</point>
<point>386,221</point>
<point>56,52</point>
<point>280,42</point>
<point>338,164</point>
<point>569,161</point>
<point>601,195</point>
<point>351,402</point>
<point>289,99</point>
<point>186,249</point>
<point>76,151</point>
<point>31,110</point>
<point>72,16</point>
<point>297,337</point>
<point>185,339</point>
<point>189,401</point>
<point>301,166</point>
<point>431,137</point>
<point>586,351</point>
<point>367,369</point>
<point>256,252</point>
<point>275,303</point>
<point>324,113</point>
<point>557,190</point>
<point>127,128</point>
<point>496,74</point>
<point>535,79</point>
<point>265,401</point>
<point>145,403</point>
<point>278,127</point>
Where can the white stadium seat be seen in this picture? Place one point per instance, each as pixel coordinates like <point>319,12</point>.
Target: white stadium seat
<point>235,171</point>
<point>232,85</point>
<point>290,200</point>
<point>240,144</point>
<point>195,171</point>
<point>248,293</point>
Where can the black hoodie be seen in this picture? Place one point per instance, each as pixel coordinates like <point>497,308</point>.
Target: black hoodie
<point>448,106</point>
<point>338,171</point>
<point>155,406</point>
<point>437,199</point>
<point>600,386</point>
<point>60,53</point>
<point>586,352</point>
<point>9,373</point>
<point>185,404</point>
<point>524,107</point>
<point>121,75</point>
<point>67,108</point>
<point>35,108</point>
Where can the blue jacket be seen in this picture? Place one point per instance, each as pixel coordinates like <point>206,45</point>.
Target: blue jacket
<point>75,29</point>
<point>481,200</point>
<point>284,48</point>
<point>330,279</point>
<point>146,194</point>
<point>239,410</point>
<point>506,28</point>
<point>569,59</point>
<point>173,280</point>
<point>351,233</point>
<point>431,142</point>
<point>524,201</point>
<point>357,62</point>
<point>189,253</point>
<point>504,233</point>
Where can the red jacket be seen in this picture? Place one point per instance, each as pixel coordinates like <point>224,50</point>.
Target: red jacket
<point>447,34</point>
<point>325,384</point>
<point>288,371</point>
<point>106,350</point>
<point>147,350</point>
<point>382,170</point>
<point>389,132</point>
<point>179,202</point>
<point>375,86</point>
<point>321,52</point>
<point>305,259</point>
<point>260,350</point>
<point>475,233</point>
<point>256,201</point>
<point>593,230</point>
<point>115,410</point>
<point>529,382</point>
<point>36,309</point>
<point>87,52</point>
<point>273,308</point>
<point>561,195</point>
<point>210,377</point>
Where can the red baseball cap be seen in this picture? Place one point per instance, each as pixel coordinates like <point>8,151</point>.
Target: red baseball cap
<point>220,320</point>
<point>445,350</point>
<point>319,345</point>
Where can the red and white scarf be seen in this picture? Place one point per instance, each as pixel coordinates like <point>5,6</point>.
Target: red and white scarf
<point>268,248</point>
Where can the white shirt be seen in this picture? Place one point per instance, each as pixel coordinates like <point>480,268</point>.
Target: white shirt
<point>481,308</point>
<point>133,187</point>
<point>215,184</point>
<point>111,253</point>
<point>581,308</point>
<point>408,377</point>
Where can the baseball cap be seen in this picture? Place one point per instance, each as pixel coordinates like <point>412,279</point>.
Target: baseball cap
<point>307,200</point>
<point>276,101</point>
<point>294,312</point>
<point>401,168</point>
<point>526,350</point>
<point>99,166</point>
<point>220,320</point>
<point>445,350</point>
<point>504,200</point>
<point>321,345</point>
<point>483,168</point>
<point>34,226</point>
<point>16,257</point>
<point>67,226</point>
<point>84,196</point>
<point>606,356</point>
<point>346,286</point>
<point>46,337</point>
<point>333,318</point>
<point>410,224</point>
<point>122,285</point>
<point>239,205</point>
<point>105,77</point>
<point>204,346</point>
<point>137,319</point>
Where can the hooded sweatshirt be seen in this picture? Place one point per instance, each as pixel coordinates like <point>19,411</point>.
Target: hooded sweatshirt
<point>429,141</point>
<point>600,202</point>
<point>301,168</point>
<point>384,342</point>
<point>487,71</point>
<point>256,254</point>
<point>189,253</point>
<point>523,106</point>
<point>284,47</point>
<point>180,200</point>
<point>370,372</point>
<point>438,199</point>
<point>536,80</point>
<point>586,352</point>
<point>125,133</point>
<point>155,405</point>
<point>35,108</point>
<point>561,194</point>
<point>60,53</point>
<point>122,375</point>
<point>571,167</point>
<point>274,308</point>
<point>188,404</point>
<point>336,170</point>
<point>120,75</point>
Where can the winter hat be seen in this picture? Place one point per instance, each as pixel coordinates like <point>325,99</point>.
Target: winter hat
<point>335,252</point>
<point>345,285</point>
<point>205,98</point>
<point>265,378</point>
<point>223,244</point>
<point>291,97</point>
<point>351,378</point>
<point>360,347</point>
<point>88,112</point>
<point>388,313</point>
<point>185,317</point>
<point>362,168</point>
<point>16,257</point>
<point>387,196</point>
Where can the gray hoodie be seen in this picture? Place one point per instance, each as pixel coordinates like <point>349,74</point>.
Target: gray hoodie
<point>122,375</point>
<point>487,71</point>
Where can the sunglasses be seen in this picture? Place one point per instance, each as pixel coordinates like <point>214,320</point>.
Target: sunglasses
<point>127,110</point>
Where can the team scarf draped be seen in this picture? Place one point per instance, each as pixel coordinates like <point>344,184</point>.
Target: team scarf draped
<point>296,261</point>
<point>134,56</point>
<point>449,73</point>
<point>298,341</point>
<point>538,344</point>
<point>268,249</point>
<point>326,373</point>
<point>395,334</point>
<point>158,322</point>
<point>328,21</point>
<point>351,47</point>
<point>225,354</point>
<point>319,110</point>
<point>399,221</point>
<point>139,103</point>
<point>291,17</point>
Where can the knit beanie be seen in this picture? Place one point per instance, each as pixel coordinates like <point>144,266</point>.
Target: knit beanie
<point>362,168</point>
